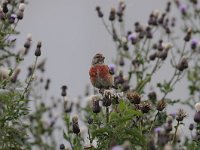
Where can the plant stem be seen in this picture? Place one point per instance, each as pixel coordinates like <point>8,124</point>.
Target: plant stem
<point>89,137</point>
<point>29,82</point>
<point>107,114</point>
<point>155,67</point>
<point>153,121</point>
<point>77,144</point>
<point>106,26</point>
<point>176,129</point>
<point>140,126</point>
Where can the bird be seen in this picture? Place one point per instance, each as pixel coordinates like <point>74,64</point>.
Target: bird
<point>99,73</point>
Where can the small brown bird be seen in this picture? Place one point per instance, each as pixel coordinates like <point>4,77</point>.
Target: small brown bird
<point>100,76</point>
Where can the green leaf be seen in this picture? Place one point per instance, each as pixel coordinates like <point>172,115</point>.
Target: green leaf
<point>122,105</point>
<point>65,135</point>
<point>102,132</point>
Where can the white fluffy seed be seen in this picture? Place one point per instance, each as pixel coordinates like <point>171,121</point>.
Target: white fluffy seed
<point>197,107</point>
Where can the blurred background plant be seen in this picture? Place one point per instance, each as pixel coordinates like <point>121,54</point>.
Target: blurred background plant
<point>22,123</point>
<point>133,113</point>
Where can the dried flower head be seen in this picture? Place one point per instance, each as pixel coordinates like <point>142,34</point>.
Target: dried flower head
<point>62,146</point>
<point>153,56</point>
<point>188,35</point>
<point>95,104</point>
<point>152,96</point>
<point>29,37</point>
<point>191,126</point>
<point>197,117</point>
<point>64,90</point>
<point>99,12</point>
<point>133,97</point>
<point>27,44</point>
<point>22,6</point>
<point>39,44</point>
<point>183,64</point>
<point>167,46</point>
<point>5,6</point>
<point>107,96</point>
<point>181,114</point>
<point>168,8</point>
<point>156,13</point>
<point>161,105</point>
<point>168,128</point>
<point>4,73</point>
<point>20,15</point>
<point>162,54</point>
<point>170,119</point>
<point>75,119</point>
<point>112,14</point>
<point>38,49</point>
<point>15,74</point>
<point>138,27</point>
<point>145,107</point>
<point>75,125</point>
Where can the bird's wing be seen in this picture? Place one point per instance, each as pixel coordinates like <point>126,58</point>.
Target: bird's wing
<point>104,70</point>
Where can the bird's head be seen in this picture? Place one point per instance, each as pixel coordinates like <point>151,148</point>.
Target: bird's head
<point>98,59</point>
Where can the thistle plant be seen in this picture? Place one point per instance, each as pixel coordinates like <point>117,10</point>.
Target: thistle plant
<point>129,115</point>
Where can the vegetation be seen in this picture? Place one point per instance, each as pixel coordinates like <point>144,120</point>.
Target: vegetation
<point>132,114</point>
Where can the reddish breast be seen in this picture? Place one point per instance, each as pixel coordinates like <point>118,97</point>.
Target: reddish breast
<point>100,70</point>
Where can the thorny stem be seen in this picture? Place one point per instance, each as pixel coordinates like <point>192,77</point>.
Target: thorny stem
<point>176,129</point>
<point>30,79</point>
